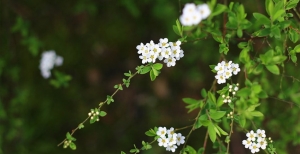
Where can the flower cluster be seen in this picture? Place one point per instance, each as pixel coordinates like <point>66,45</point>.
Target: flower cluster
<point>232,89</point>
<point>192,14</point>
<point>255,141</point>
<point>169,51</point>
<point>94,114</point>
<point>169,139</point>
<point>225,71</point>
<point>48,61</point>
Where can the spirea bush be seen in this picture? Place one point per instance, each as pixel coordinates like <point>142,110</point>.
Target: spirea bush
<point>232,104</point>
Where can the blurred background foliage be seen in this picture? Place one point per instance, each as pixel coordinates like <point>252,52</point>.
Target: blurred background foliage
<point>98,40</point>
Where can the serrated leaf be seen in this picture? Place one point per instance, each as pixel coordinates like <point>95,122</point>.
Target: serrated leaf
<point>212,97</point>
<point>145,70</point>
<point>211,132</point>
<point>150,132</point>
<point>221,130</point>
<point>273,69</point>
<point>277,14</point>
<point>217,114</point>
<point>291,4</point>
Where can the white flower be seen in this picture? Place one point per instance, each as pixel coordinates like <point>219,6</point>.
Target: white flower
<point>262,143</point>
<point>141,48</point>
<point>172,139</point>
<point>221,79</point>
<point>163,42</point>
<point>48,61</point>
<point>181,54</point>
<point>251,135</point>
<point>163,141</point>
<point>156,49</point>
<point>175,52</point>
<point>220,68</point>
<point>171,148</point>
<point>235,68</point>
<point>203,10</point>
<point>260,133</point>
<point>192,14</point>
<point>189,8</point>
<point>144,58</point>
<point>179,139</point>
<point>227,74</point>
<point>166,52</point>
<point>247,143</point>
<point>170,61</point>
<point>175,44</point>
<point>162,131</point>
<point>171,131</point>
<point>186,20</point>
<point>254,147</point>
<point>152,57</point>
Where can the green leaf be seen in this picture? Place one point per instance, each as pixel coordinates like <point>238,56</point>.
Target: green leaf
<point>291,4</point>
<point>122,152</point>
<point>152,75</point>
<point>157,66</point>
<point>175,29</point>
<point>203,93</point>
<point>269,6</point>
<point>220,8</point>
<point>73,146</point>
<point>252,107</point>
<point>212,132</point>
<point>294,58</point>
<point>221,130</point>
<point>277,14</point>
<point>239,32</point>
<point>150,132</point>
<point>212,97</point>
<point>189,150</point>
<point>256,114</point>
<point>81,126</point>
<point>216,114</point>
<point>242,121</point>
<point>102,113</point>
<point>262,19</point>
<point>145,70</point>
<point>297,48</point>
<point>293,36</point>
<point>109,99</point>
<point>70,137</point>
<point>273,69</point>
<point>202,120</point>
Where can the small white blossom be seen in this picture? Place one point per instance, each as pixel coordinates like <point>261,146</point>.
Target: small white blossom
<point>162,131</point>
<point>179,139</point>
<point>204,11</point>
<point>254,147</point>
<point>247,143</point>
<point>251,135</point>
<point>48,61</point>
<point>192,14</point>
<point>163,141</point>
